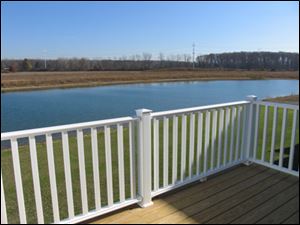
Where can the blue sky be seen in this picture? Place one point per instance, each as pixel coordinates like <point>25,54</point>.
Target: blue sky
<point>115,29</point>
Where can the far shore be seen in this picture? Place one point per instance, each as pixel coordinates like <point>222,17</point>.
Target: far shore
<point>28,81</point>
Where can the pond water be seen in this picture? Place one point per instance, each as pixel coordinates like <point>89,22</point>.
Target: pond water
<point>26,110</point>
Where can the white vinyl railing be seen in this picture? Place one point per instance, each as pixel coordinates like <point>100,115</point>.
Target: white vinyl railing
<point>94,128</point>
<point>98,167</point>
<point>275,133</point>
<point>210,141</point>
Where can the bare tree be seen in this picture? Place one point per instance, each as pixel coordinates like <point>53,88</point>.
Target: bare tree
<point>161,56</point>
<point>187,57</point>
<point>133,58</point>
<point>138,57</point>
<point>236,60</point>
<point>147,60</point>
<point>172,58</point>
<point>147,56</point>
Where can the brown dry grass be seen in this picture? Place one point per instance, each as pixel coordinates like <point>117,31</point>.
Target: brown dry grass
<point>47,80</point>
<point>291,99</point>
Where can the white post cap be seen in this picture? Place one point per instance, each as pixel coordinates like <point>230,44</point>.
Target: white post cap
<point>140,112</point>
<point>251,98</point>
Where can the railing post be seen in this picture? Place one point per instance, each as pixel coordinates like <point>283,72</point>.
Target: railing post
<point>249,128</point>
<point>144,156</point>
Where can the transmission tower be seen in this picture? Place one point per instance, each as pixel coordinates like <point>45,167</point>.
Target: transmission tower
<point>193,55</point>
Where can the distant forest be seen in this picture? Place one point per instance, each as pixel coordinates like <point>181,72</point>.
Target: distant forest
<point>238,60</point>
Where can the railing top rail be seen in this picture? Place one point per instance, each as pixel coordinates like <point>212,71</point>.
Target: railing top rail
<point>200,108</point>
<point>62,128</point>
<point>281,105</point>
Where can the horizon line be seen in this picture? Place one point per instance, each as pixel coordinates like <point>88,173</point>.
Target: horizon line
<point>117,58</point>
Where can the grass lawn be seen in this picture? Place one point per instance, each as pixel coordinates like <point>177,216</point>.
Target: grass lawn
<point>9,185</point>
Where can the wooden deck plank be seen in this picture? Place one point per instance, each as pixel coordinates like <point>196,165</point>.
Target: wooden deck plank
<point>195,188</point>
<point>294,219</point>
<point>192,209</point>
<point>109,218</point>
<point>269,206</point>
<point>207,187</point>
<point>179,194</point>
<point>248,205</point>
<point>282,213</point>
<point>237,199</point>
<point>240,195</point>
<point>170,208</point>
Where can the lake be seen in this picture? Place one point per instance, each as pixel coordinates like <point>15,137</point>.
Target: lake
<point>26,110</point>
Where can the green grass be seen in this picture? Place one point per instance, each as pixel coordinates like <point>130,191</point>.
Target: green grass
<point>7,170</point>
<point>278,132</point>
<point>9,185</point>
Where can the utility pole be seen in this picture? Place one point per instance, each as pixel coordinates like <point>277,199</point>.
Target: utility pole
<point>45,59</point>
<point>193,56</point>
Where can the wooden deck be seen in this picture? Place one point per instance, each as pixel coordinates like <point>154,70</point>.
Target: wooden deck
<point>253,194</point>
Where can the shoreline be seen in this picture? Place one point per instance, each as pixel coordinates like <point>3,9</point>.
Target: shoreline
<point>102,84</point>
<point>15,82</point>
<point>289,99</point>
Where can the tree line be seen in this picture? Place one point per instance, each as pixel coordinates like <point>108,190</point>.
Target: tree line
<point>236,60</point>
<point>251,60</point>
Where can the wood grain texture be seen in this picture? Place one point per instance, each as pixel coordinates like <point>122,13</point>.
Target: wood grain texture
<point>243,194</point>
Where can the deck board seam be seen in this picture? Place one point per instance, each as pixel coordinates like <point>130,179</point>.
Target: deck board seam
<point>262,170</point>
<point>219,192</point>
<point>273,197</point>
<point>282,179</point>
<point>259,170</point>
<point>197,183</point>
<point>294,214</point>
<point>228,198</point>
<point>247,173</point>
<point>285,202</point>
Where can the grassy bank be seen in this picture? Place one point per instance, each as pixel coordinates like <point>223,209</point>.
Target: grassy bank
<point>7,169</point>
<point>291,99</point>
<point>25,81</point>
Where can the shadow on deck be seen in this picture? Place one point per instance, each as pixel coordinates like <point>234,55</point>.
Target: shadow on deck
<point>253,194</point>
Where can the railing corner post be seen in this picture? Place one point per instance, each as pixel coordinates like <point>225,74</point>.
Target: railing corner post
<point>251,98</point>
<point>249,131</point>
<point>144,157</point>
